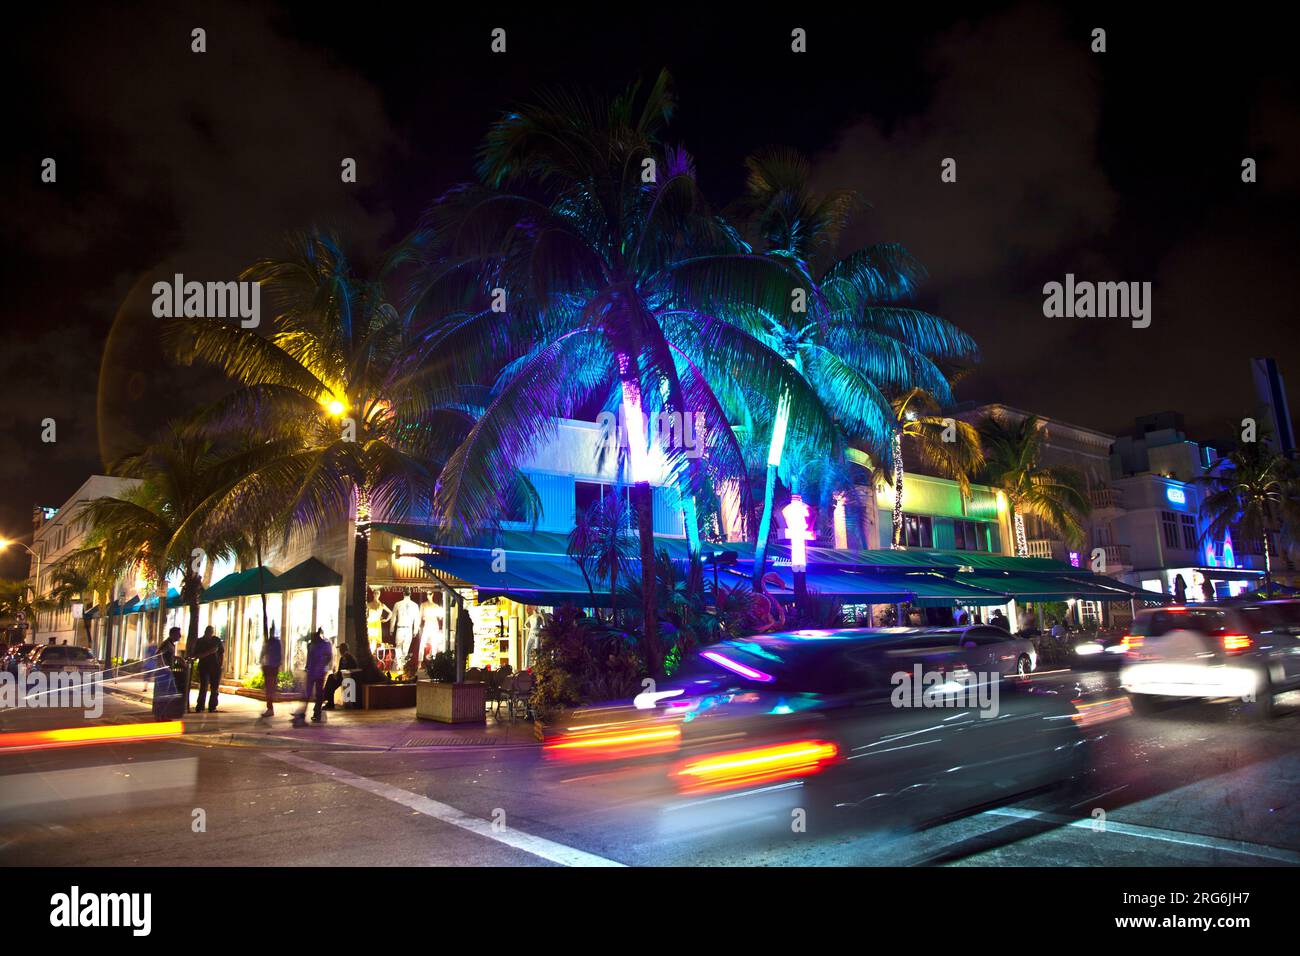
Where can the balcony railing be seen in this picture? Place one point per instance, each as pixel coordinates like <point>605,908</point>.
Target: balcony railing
<point>1106,498</point>
<point>1117,556</point>
<point>1042,547</point>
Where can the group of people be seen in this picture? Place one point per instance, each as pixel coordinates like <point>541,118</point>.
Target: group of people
<point>209,655</point>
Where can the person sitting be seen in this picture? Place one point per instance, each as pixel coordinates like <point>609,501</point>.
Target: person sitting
<point>332,683</point>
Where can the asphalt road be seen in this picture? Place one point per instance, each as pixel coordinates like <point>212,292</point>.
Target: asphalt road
<point>1193,785</point>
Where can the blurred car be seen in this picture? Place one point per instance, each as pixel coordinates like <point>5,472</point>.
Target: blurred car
<point>63,657</point>
<point>1249,651</point>
<point>837,722</point>
<point>1100,649</point>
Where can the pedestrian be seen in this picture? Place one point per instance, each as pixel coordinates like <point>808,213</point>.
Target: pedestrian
<point>346,663</point>
<point>1000,620</point>
<point>210,653</point>
<point>167,701</point>
<point>319,656</point>
<point>272,658</point>
<point>1058,631</point>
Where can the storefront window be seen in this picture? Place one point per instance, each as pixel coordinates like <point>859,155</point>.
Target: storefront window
<point>253,629</point>
<point>327,613</point>
<point>298,628</point>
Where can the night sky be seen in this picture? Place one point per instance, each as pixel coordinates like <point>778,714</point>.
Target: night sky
<point>1117,166</point>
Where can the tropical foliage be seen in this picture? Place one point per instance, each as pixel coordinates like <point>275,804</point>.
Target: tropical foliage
<point>1253,493</point>
<point>1055,494</point>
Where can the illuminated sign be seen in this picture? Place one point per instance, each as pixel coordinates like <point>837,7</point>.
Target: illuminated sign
<point>1074,559</point>
<point>1176,495</point>
<point>796,515</point>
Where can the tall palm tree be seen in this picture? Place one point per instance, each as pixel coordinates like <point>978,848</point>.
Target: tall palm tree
<point>920,423</point>
<point>613,271</point>
<point>359,409</point>
<point>1057,495</point>
<point>1253,493</point>
<point>857,340</point>
<point>159,529</point>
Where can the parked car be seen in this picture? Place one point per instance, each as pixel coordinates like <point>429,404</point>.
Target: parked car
<point>817,718</point>
<point>63,657</point>
<point>1249,651</point>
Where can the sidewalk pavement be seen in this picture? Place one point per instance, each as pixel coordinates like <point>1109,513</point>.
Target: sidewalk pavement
<point>239,721</point>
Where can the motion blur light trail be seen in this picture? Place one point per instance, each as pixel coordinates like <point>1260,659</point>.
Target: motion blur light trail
<point>81,736</point>
<point>739,768</point>
<point>625,740</point>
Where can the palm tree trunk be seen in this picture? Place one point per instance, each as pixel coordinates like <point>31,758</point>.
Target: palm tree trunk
<point>776,448</point>
<point>643,502</point>
<point>897,448</point>
<point>695,570</point>
<point>1018,522</point>
<point>1268,567</point>
<point>360,563</point>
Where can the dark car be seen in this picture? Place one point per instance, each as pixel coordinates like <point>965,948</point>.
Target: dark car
<point>898,721</point>
<point>1249,651</point>
<point>63,657</point>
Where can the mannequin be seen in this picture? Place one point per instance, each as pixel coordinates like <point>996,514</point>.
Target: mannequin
<point>431,624</point>
<point>377,614</point>
<point>406,617</point>
<point>532,635</point>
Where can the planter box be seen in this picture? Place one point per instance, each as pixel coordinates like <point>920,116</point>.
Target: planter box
<point>387,696</point>
<point>451,703</point>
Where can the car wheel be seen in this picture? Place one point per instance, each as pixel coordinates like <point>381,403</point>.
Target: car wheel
<point>1023,667</point>
<point>1144,704</point>
<point>1261,708</point>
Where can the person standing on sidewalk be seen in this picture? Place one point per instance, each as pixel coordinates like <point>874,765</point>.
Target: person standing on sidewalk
<point>319,657</point>
<point>167,701</point>
<point>272,658</point>
<point>210,652</point>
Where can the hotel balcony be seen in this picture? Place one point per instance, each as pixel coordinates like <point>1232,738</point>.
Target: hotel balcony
<point>1118,559</point>
<point>1106,499</point>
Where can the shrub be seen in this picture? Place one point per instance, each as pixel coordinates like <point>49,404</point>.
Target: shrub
<point>284,681</point>
<point>441,666</point>
<point>580,660</point>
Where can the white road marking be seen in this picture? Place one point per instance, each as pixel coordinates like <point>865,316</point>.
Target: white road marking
<point>120,781</point>
<point>1153,833</point>
<point>537,846</point>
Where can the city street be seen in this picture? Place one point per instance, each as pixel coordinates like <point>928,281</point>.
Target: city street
<point>1193,785</point>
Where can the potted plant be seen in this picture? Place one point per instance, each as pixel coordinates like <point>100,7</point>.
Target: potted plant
<point>439,697</point>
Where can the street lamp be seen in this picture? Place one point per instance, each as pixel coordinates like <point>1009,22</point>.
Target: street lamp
<point>4,543</point>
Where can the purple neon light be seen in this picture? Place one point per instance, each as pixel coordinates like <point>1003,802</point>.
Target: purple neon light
<point>741,669</point>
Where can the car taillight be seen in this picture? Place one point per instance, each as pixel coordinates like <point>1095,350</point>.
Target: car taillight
<point>755,765</point>
<point>1132,643</point>
<point>1236,643</point>
<point>613,742</point>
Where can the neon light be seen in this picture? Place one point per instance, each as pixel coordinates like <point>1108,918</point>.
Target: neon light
<point>796,529</point>
<point>1229,556</point>
<point>1176,495</point>
<point>778,430</point>
<point>737,667</point>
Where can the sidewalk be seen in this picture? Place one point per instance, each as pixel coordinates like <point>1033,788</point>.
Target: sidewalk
<point>239,721</point>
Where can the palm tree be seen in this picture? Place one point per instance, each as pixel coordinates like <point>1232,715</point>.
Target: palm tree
<point>857,339</point>
<point>602,544</point>
<point>160,528</point>
<point>612,270</point>
<point>1057,495</point>
<point>345,388</point>
<point>1253,493</point>
<point>919,422</point>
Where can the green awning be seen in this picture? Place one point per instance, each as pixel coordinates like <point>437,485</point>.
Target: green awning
<point>309,574</point>
<point>131,606</point>
<point>1044,588</point>
<point>91,613</point>
<point>523,577</point>
<point>844,586</point>
<point>240,584</point>
<point>173,600</point>
<point>941,590</point>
